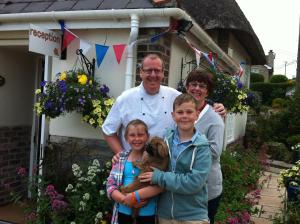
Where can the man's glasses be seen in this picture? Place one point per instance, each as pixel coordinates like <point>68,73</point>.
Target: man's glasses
<point>197,84</point>
<point>150,70</point>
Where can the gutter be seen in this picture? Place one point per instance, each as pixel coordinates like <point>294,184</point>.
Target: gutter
<point>135,15</point>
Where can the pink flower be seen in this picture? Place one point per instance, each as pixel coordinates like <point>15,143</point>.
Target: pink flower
<point>58,205</point>
<point>21,171</point>
<point>32,216</point>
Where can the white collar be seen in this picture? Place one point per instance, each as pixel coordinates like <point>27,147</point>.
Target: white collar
<point>205,109</point>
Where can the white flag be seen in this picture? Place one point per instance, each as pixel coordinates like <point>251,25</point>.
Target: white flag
<point>198,56</point>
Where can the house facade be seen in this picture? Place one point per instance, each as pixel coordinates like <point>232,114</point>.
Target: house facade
<point>23,135</point>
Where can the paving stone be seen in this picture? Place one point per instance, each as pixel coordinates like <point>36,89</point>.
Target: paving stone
<point>268,215</point>
<point>270,200</point>
<point>260,220</point>
<point>271,192</point>
<point>270,208</point>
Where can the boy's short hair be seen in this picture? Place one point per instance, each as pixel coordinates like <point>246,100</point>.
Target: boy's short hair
<point>136,122</point>
<point>198,75</point>
<point>184,98</point>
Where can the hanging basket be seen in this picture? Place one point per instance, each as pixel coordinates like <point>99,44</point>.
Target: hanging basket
<point>74,91</point>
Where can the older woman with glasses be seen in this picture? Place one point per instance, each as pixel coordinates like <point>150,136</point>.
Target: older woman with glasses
<point>200,84</point>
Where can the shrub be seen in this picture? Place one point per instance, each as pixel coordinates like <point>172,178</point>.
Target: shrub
<point>270,91</point>
<point>241,170</point>
<point>279,151</point>
<point>256,78</point>
<point>84,199</point>
<point>278,103</point>
<point>293,140</point>
<point>278,79</point>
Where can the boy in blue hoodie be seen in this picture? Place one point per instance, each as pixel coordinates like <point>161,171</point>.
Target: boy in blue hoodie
<point>185,197</point>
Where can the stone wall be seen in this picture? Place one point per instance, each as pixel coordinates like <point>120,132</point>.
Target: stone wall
<point>14,153</point>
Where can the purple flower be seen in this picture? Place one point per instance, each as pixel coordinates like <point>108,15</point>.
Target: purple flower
<point>62,86</point>
<point>48,105</point>
<point>104,89</point>
<point>239,84</point>
<point>43,83</point>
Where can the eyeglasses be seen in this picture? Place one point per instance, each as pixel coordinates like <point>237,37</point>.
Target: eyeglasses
<point>200,85</point>
<point>150,70</point>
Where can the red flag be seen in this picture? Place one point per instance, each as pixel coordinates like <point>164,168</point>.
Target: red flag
<point>119,49</point>
<point>68,38</point>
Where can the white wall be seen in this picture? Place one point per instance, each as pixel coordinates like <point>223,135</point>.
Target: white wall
<point>110,73</point>
<point>16,96</point>
<point>239,54</point>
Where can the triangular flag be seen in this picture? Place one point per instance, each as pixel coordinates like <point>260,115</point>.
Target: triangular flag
<point>100,53</point>
<point>68,38</point>
<point>84,46</point>
<point>119,49</point>
<point>198,56</point>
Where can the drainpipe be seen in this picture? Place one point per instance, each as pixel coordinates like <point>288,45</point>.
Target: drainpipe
<point>131,44</point>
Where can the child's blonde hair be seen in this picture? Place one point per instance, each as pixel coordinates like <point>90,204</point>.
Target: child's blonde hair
<point>184,98</point>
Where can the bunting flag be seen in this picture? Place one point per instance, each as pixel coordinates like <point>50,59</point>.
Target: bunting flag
<point>210,62</point>
<point>119,49</point>
<point>84,46</point>
<point>100,53</point>
<point>68,38</point>
<point>198,57</point>
<point>240,71</point>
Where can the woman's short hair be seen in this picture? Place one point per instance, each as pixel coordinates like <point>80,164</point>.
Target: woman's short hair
<point>201,76</point>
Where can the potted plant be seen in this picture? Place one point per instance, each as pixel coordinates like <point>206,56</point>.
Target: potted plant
<point>290,178</point>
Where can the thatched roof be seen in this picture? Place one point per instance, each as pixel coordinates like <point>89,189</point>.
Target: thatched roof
<point>210,14</point>
<point>226,14</point>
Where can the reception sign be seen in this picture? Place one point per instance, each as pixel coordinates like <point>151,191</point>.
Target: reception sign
<point>44,41</point>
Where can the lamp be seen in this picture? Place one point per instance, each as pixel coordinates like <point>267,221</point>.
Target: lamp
<point>181,26</point>
<point>184,26</point>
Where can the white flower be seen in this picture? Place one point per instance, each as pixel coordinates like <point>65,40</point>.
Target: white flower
<point>101,192</point>
<point>86,196</point>
<point>69,187</point>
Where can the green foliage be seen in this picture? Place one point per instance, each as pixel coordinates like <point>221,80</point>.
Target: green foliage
<point>255,103</point>
<point>278,151</point>
<point>293,140</point>
<point>278,103</point>
<point>254,77</point>
<point>231,92</point>
<point>241,170</point>
<point>290,214</point>
<point>278,79</point>
<point>84,199</point>
<point>270,91</point>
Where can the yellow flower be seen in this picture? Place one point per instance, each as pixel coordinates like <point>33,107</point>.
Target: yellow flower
<point>90,82</point>
<point>97,110</point>
<point>82,79</point>
<point>38,91</point>
<point>109,102</point>
<point>96,103</point>
<point>100,121</point>
<point>38,108</point>
<point>92,121</point>
<point>63,76</point>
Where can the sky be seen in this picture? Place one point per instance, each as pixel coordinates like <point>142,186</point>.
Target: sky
<point>276,24</point>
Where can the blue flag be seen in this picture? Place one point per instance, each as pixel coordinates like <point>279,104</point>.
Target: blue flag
<point>100,53</point>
